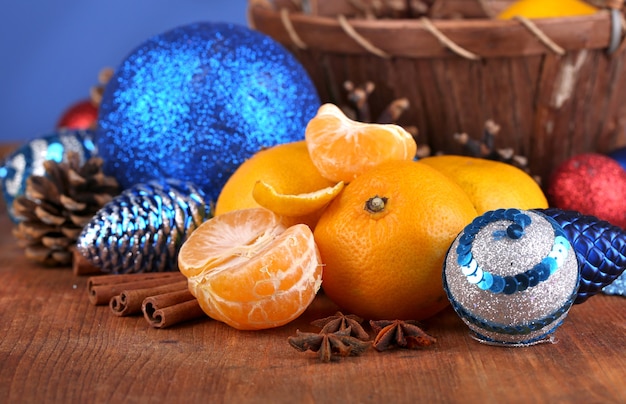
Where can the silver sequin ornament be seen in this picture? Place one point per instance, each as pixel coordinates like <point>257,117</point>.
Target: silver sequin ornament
<point>143,228</point>
<point>28,160</point>
<point>511,276</point>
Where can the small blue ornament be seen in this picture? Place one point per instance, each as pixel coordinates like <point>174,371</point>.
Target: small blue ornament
<point>28,160</point>
<point>619,155</point>
<point>617,287</point>
<point>193,103</point>
<point>599,246</point>
<point>511,275</point>
<point>143,228</point>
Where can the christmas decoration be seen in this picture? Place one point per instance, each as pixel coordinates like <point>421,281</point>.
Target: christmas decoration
<point>619,155</point>
<point>618,287</point>
<point>194,102</point>
<point>55,207</point>
<point>143,228</point>
<point>84,114</point>
<point>592,184</point>
<point>81,115</point>
<point>512,276</point>
<point>28,160</point>
<point>599,246</point>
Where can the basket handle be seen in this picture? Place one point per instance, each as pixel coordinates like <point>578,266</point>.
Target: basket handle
<point>617,24</point>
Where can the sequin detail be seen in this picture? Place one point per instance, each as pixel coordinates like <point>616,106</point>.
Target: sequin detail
<point>28,159</point>
<point>509,284</point>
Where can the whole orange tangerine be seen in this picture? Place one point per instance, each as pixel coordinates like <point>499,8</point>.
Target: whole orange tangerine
<point>287,168</point>
<point>383,241</point>
<point>490,184</point>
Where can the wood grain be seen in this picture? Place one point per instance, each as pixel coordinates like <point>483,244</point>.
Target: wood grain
<point>57,347</point>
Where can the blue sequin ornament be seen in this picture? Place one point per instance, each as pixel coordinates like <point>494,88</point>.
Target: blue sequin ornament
<point>511,275</point>
<point>193,103</point>
<point>599,245</point>
<point>143,228</point>
<point>28,160</point>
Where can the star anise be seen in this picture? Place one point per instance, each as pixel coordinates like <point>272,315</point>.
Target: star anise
<point>399,333</point>
<point>339,343</point>
<point>340,322</point>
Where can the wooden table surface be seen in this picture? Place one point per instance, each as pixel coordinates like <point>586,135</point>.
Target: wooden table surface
<point>56,347</point>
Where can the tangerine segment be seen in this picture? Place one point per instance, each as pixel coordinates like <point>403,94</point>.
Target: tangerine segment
<point>265,281</point>
<point>223,238</point>
<point>294,205</point>
<point>342,149</point>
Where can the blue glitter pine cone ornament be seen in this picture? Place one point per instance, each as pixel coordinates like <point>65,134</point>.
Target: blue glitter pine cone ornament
<point>194,102</point>
<point>28,159</point>
<point>511,276</point>
<point>599,246</point>
<point>143,228</point>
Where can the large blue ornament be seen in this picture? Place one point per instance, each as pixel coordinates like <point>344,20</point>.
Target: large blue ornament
<point>28,160</point>
<point>599,246</point>
<point>193,103</point>
<point>143,228</point>
<point>511,275</point>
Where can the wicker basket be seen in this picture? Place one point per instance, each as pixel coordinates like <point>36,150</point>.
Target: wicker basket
<point>556,87</point>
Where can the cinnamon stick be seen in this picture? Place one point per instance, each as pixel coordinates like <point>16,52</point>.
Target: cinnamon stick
<point>129,301</point>
<point>171,308</point>
<point>102,288</point>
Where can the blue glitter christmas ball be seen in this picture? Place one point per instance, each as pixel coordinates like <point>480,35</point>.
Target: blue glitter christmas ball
<point>28,160</point>
<point>193,103</point>
<point>512,276</point>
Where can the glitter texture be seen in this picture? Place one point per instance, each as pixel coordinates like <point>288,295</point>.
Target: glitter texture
<point>592,184</point>
<point>143,228</point>
<point>526,316</point>
<point>28,160</point>
<point>193,103</point>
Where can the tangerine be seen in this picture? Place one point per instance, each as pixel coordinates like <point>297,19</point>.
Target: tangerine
<point>490,184</point>
<point>287,168</point>
<point>383,240</point>
<point>248,269</point>
<point>547,9</point>
<point>342,149</point>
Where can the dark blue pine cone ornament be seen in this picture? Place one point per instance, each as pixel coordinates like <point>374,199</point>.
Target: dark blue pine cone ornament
<point>143,228</point>
<point>600,248</point>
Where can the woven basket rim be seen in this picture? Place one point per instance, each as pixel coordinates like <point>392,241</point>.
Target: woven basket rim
<point>485,38</point>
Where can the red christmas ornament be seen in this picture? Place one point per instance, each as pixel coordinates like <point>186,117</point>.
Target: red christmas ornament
<point>81,115</point>
<point>592,184</point>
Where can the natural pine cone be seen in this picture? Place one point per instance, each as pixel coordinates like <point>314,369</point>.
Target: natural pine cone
<point>56,207</point>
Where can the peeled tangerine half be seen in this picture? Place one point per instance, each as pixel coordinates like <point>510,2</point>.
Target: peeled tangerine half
<point>343,149</point>
<point>249,270</point>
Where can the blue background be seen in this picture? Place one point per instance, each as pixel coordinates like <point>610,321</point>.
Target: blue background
<point>52,51</point>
